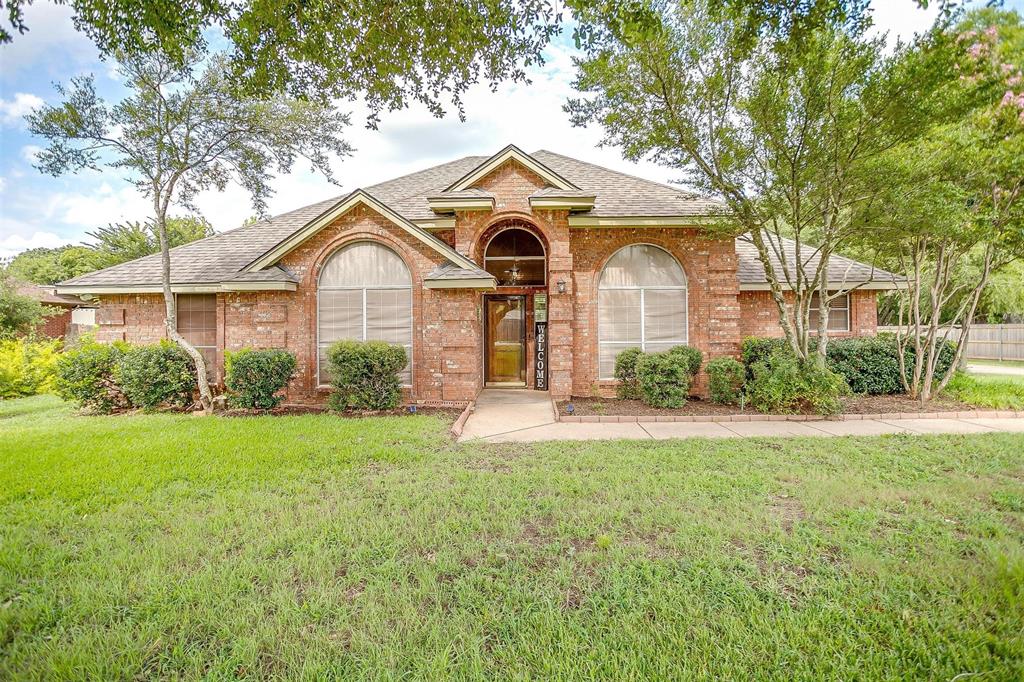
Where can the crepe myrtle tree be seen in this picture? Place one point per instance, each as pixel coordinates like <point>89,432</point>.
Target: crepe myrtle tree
<point>953,214</point>
<point>780,121</point>
<point>183,130</point>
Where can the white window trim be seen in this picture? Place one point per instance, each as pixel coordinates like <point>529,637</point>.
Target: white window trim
<point>813,313</point>
<point>642,344</point>
<point>396,287</point>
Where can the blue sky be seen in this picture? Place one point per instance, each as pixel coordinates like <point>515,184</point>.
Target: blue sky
<point>38,210</point>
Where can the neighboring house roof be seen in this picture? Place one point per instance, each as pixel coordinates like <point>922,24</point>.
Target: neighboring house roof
<point>842,272</point>
<point>44,293</point>
<point>245,258</point>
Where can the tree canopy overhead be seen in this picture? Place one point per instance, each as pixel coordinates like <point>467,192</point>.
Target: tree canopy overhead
<point>388,52</point>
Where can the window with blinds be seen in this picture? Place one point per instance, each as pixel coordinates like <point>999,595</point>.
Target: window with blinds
<point>641,303</point>
<point>364,294</point>
<point>197,322</point>
<point>838,313</point>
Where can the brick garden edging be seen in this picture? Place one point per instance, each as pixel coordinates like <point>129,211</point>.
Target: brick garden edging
<point>460,423</point>
<point>628,419</point>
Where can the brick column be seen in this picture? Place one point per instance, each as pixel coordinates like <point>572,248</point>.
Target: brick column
<point>560,307</point>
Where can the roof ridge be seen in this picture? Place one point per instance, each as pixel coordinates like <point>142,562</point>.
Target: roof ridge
<point>420,172</point>
<point>686,193</point>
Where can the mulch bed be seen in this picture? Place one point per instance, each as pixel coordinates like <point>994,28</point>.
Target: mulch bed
<point>451,413</point>
<point>859,404</point>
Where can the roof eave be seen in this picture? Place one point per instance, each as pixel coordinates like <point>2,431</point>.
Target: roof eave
<point>482,283</point>
<point>834,286</point>
<point>187,288</point>
<point>587,220</point>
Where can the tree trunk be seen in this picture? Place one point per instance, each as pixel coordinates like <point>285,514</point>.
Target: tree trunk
<point>171,318</point>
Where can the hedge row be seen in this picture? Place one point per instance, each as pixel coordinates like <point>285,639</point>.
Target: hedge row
<point>659,379</point>
<point>869,364</point>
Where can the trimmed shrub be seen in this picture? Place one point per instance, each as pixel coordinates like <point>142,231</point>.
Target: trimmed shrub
<point>869,364</point>
<point>691,356</point>
<point>365,375</point>
<point>755,349</point>
<point>664,378</point>
<point>28,367</point>
<point>157,375</point>
<point>726,377</point>
<point>625,372</point>
<point>943,359</point>
<point>85,375</point>
<point>781,385</point>
<point>254,377</point>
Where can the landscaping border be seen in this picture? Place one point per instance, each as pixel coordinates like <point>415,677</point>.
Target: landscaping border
<point>628,419</point>
<point>460,423</point>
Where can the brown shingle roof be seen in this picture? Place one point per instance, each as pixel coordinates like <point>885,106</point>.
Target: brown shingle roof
<point>224,256</point>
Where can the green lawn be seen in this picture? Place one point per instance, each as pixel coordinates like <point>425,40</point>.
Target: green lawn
<point>164,546</point>
<point>996,391</point>
<point>997,363</point>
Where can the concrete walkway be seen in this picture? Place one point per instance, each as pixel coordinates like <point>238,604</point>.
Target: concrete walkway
<point>521,416</point>
<point>1012,370</point>
<point>500,411</point>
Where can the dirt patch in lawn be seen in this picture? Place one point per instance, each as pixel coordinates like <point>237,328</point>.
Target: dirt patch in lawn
<point>694,407</point>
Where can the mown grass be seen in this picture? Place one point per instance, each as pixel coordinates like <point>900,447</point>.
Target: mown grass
<point>996,391</point>
<point>162,546</point>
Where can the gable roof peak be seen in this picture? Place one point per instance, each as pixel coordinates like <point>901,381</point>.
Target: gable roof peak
<point>511,152</point>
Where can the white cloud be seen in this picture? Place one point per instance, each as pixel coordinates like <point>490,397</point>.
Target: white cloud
<point>15,244</point>
<point>29,152</point>
<point>3,183</point>
<point>13,111</point>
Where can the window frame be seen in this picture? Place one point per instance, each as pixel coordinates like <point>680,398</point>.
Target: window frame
<point>642,344</point>
<point>364,289</point>
<point>812,312</point>
<point>543,257</point>
<point>213,370</point>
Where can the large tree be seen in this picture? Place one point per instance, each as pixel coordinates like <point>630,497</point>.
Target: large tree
<point>779,119</point>
<point>44,265</point>
<point>387,52</point>
<point>183,130</point>
<point>952,216</point>
<point>121,242</point>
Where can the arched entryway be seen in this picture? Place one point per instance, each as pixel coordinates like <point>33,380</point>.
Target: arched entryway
<point>515,254</point>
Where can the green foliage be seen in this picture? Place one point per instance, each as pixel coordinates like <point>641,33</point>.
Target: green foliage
<point>364,375</point>
<point>157,375</point>
<point>755,349</point>
<point>994,392</point>
<point>254,377</point>
<point>664,378</point>
<point>19,314</point>
<point>691,357</point>
<point>783,385</point>
<point>389,54</point>
<point>122,242</point>
<point>28,367</point>
<point>49,266</point>
<point>85,375</point>
<point>625,373</point>
<point>726,377</point>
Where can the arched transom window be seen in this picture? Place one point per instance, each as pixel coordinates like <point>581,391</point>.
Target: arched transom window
<point>365,294</point>
<point>641,303</point>
<point>516,258</point>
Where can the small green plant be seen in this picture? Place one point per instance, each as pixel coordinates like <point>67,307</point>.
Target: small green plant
<point>27,366</point>
<point>365,375</point>
<point>726,377</point>
<point>664,378</point>
<point>625,372</point>
<point>782,385</point>
<point>691,356</point>
<point>85,375</point>
<point>159,375</point>
<point>254,377</point>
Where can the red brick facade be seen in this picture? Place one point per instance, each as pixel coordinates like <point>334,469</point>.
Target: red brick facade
<point>448,343</point>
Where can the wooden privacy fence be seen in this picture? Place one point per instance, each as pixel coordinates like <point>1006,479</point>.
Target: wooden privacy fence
<point>988,341</point>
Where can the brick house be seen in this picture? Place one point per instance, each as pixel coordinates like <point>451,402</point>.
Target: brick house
<point>517,269</point>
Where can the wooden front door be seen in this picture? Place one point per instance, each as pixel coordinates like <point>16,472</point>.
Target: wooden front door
<point>505,340</point>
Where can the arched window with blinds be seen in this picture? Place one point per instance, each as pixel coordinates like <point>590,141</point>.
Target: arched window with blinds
<point>364,294</point>
<point>641,303</point>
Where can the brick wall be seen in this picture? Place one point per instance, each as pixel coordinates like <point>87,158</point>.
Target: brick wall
<point>712,310</point>
<point>447,324</point>
<point>759,316</point>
